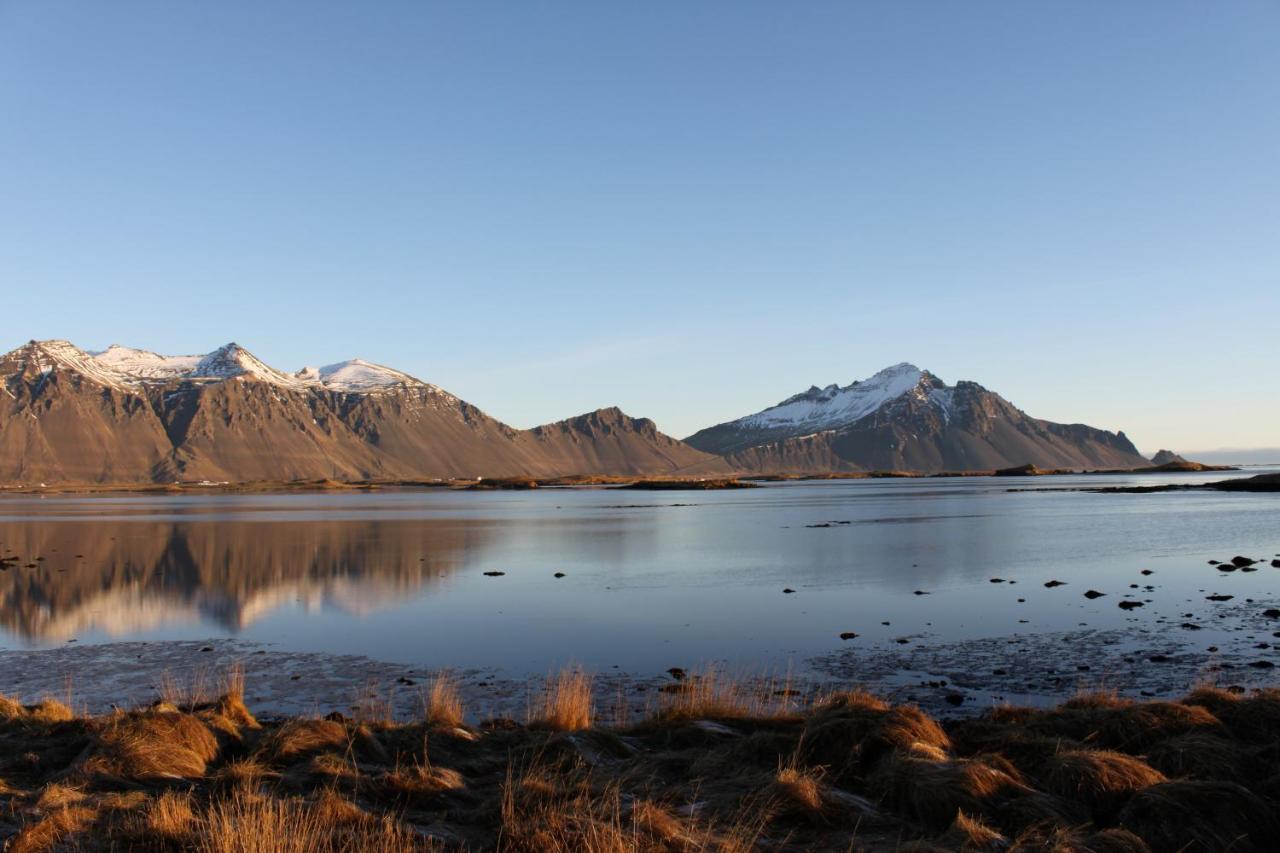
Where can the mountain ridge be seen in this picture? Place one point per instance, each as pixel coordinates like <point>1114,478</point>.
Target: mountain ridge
<point>130,416</point>
<point>125,415</point>
<point>905,418</point>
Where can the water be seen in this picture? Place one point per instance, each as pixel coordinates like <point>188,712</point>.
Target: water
<point>652,579</point>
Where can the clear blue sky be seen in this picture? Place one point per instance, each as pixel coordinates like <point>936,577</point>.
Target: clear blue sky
<point>690,210</point>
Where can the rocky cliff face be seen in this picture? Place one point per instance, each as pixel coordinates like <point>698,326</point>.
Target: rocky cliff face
<point>129,416</point>
<point>904,418</point>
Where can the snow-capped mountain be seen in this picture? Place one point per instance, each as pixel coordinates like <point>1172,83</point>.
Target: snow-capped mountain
<point>905,418</point>
<point>129,366</point>
<point>127,415</point>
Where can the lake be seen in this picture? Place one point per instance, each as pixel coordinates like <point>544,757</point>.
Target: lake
<point>651,579</point>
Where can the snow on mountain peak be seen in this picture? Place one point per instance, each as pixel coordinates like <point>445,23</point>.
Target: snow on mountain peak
<point>127,368</point>
<point>145,364</point>
<point>234,361</point>
<point>824,408</point>
<point>357,375</point>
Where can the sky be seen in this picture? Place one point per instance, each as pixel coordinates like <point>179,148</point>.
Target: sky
<point>689,210</point>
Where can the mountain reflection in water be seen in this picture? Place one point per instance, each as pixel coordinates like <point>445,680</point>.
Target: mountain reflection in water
<point>126,578</point>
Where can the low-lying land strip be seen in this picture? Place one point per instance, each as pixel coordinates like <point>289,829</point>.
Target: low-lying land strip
<point>715,767</point>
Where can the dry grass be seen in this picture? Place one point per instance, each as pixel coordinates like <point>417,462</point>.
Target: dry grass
<point>169,817</point>
<point>934,792</point>
<point>722,767</point>
<point>442,704</point>
<point>709,694</point>
<point>302,737</point>
<point>970,833</point>
<point>52,831</point>
<point>244,823</point>
<point>11,709</point>
<point>50,710</point>
<point>1190,815</point>
<point>565,703</point>
<point>152,745</point>
<point>1100,779</point>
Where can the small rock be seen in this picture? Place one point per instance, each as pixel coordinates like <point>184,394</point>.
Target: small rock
<point>997,580</point>
<point>919,592</point>
<point>788,591</point>
<point>1093,593</point>
<point>849,635</point>
<point>955,699</point>
<point>1262,664</point>
<point>1219,597</point>
<point>1052,584</point>
<point>1271,613</point>
<point>494,574</point>
<point>558,575</point>
<point>1242,561</point>
<point>1159,658</point>
<point>677,673</point>
<point>1129,605</point>
<point>1147,572</point>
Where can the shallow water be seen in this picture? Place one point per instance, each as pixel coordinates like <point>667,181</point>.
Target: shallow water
<point>653,579</point>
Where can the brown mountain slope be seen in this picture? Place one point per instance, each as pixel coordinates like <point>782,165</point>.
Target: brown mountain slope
<point>907,419</point>
<point>136,417</point>
<point>609,441</point>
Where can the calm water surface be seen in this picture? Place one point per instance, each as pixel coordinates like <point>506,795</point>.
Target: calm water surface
<point>653,579</point>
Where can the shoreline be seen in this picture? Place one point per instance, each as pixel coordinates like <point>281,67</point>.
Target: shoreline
<point>650,482</point>
<point>949,678</point>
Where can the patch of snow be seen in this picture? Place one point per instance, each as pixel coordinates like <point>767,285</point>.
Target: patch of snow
<point>357,375</point>
<point>146,365</point>
<point>128,368</point>
<point>819,409</point>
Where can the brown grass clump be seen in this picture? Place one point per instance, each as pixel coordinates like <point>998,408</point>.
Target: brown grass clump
<point>169,817</point>
<point>443,704</point>
<point>1202,756</point>
<point>332,808</point>
<point>1191,816</point>
<point>150,746</point>
<point>1100,779</point>
<point>11,709</point>
<point>565,703</point>
<point>417,785</point>
<point>933,792</point>
<point>969,833</point>
<point>853,735</point>
<point>798,792</point>
<point>50,711</point>
<point>57,795</point>
<point>1042,838</point>
<point>240,773</point>
<point>1123,725</point>
<point>302,737</point>
<point>51,831</point>
<point>244,823</point>
<point>1254,718</point>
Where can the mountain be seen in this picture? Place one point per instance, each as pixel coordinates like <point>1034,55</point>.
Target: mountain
<point>905,418</point>
<point>126,415</point>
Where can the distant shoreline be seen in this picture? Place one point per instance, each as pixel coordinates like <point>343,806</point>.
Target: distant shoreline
<point>742,480</point>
